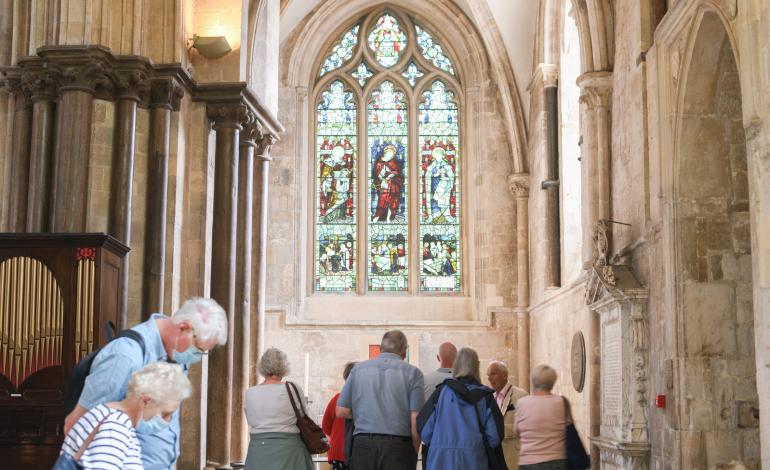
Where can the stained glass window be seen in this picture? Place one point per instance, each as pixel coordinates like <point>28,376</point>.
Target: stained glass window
<point>412,73</point>
<point>341,51</point>
<point>336,142</point>
<point>366,226</point>
<point>388,139</point>
<point>433,51</point>
<point>439,190</point>
<point>387,40</point>
<point>362,73</point>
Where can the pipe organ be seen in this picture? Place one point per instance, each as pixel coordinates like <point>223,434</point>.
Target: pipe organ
<point>57,294</point>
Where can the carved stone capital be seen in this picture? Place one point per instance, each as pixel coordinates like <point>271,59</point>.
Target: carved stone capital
<point>42,84</point>
<point>91,76</point>
<point>252,131</point>
<point>519,185</point>
<point>131,84</point>
<point>21,94</point>
<point>545,76</point>
<point>227,115</point>
<point>166,93</point>
<point>596,89</point>
<point>265,145</point>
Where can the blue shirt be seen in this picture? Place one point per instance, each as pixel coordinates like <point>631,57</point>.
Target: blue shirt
<point>108,382</point>
<point>381,393</point>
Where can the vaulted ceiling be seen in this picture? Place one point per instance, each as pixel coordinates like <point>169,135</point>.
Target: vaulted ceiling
<point>516,20</point>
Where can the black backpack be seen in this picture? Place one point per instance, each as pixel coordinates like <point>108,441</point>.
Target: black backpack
<point>73,387</point>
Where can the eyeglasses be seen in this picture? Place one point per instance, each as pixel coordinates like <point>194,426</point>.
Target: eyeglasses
<point>198,351</point>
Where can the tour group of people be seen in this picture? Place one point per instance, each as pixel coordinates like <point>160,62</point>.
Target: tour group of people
<point>388,411</point>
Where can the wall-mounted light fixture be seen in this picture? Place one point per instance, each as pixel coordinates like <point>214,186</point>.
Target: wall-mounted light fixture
<point>211,47</point>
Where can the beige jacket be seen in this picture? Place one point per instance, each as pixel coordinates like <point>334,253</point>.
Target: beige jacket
<point>511,445</point>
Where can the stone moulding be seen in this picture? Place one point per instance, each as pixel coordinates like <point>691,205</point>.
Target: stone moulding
<point>96,70</point>
<point>631,456</point>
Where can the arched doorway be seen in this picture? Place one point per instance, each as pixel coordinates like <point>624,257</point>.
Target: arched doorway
<point>718,395</point>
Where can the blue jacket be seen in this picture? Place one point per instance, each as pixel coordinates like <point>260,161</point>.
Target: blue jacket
<point>452,431</point>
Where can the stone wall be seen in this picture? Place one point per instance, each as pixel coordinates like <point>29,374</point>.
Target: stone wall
<point>553,323</point>
<point>712,328</point>
<point>336,329</point>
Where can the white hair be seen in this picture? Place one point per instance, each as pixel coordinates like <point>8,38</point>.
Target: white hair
<point>207,318</point>
<point>161,381</point>
<point>274,362</point>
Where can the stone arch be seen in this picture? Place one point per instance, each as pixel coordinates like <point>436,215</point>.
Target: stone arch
<point>263,44</point>
<point>595,24</point>
<point>712,242</point>
<point>479,55</point>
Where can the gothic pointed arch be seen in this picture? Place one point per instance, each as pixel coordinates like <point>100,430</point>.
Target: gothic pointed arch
<point>387,205</point>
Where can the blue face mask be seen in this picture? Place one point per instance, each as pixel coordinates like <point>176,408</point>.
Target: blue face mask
<point>187,357</point>
<point>155,425</point>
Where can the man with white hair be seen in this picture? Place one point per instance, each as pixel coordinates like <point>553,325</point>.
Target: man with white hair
<point>506,396</point>
<point>197,327</point>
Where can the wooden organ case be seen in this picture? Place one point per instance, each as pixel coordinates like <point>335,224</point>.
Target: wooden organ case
<point>57,292</point>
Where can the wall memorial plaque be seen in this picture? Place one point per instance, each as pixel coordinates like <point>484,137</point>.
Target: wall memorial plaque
<point>578,361</point>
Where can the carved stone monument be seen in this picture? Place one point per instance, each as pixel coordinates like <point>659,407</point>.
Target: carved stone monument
<point>614,294</point>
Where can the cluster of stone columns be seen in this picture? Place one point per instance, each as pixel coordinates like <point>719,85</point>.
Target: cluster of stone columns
<point>242,156</point>
<point>53,95</point>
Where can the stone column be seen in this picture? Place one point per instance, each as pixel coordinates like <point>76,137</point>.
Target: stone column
<point>250,134</point>
<point>41,149</point>
<point>165,96</point>
<point>227,118</point>
<point>20,150</point>
<point>552,213</point>
<point>130,86</point>
<point>596,95</point>
<point>80,81</point>
<point>519,185</point>
<point>261,180</point>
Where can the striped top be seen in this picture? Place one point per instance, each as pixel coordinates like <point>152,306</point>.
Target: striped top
<point>114,446</point>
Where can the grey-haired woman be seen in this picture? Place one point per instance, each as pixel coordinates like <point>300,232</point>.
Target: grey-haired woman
<point>275,441</point>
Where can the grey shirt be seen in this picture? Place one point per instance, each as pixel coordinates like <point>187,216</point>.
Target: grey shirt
<point>433,379</point>
<point>381,393</point>
<point>268,408</point>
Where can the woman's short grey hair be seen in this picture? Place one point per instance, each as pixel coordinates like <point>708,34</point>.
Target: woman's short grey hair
<point>274,362</point>
<point>394,341</point>
<point>207,318</point>
<point>467,365</point>
<point>163,382</point>
<point>543,377</point>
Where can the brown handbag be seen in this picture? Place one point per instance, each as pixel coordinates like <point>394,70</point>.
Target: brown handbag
<point>312,435</point>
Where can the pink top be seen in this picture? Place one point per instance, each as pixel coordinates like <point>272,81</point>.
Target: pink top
<point>541,424</point>
<point>500,396</point>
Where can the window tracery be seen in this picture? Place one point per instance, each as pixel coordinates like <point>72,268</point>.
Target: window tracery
<point>387,116</point>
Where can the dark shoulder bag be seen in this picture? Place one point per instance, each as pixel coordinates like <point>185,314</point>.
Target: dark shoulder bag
<point>76,381</point>
<point>312,435</point>
<point>577,458</point>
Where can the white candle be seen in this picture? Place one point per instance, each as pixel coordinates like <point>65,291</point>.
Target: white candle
<point>307,373</point>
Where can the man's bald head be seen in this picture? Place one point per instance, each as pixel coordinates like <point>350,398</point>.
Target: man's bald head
<point>497,374</point>
<point>447,353</point>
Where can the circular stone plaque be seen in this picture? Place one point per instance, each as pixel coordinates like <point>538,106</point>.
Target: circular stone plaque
<point>578,361</point>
